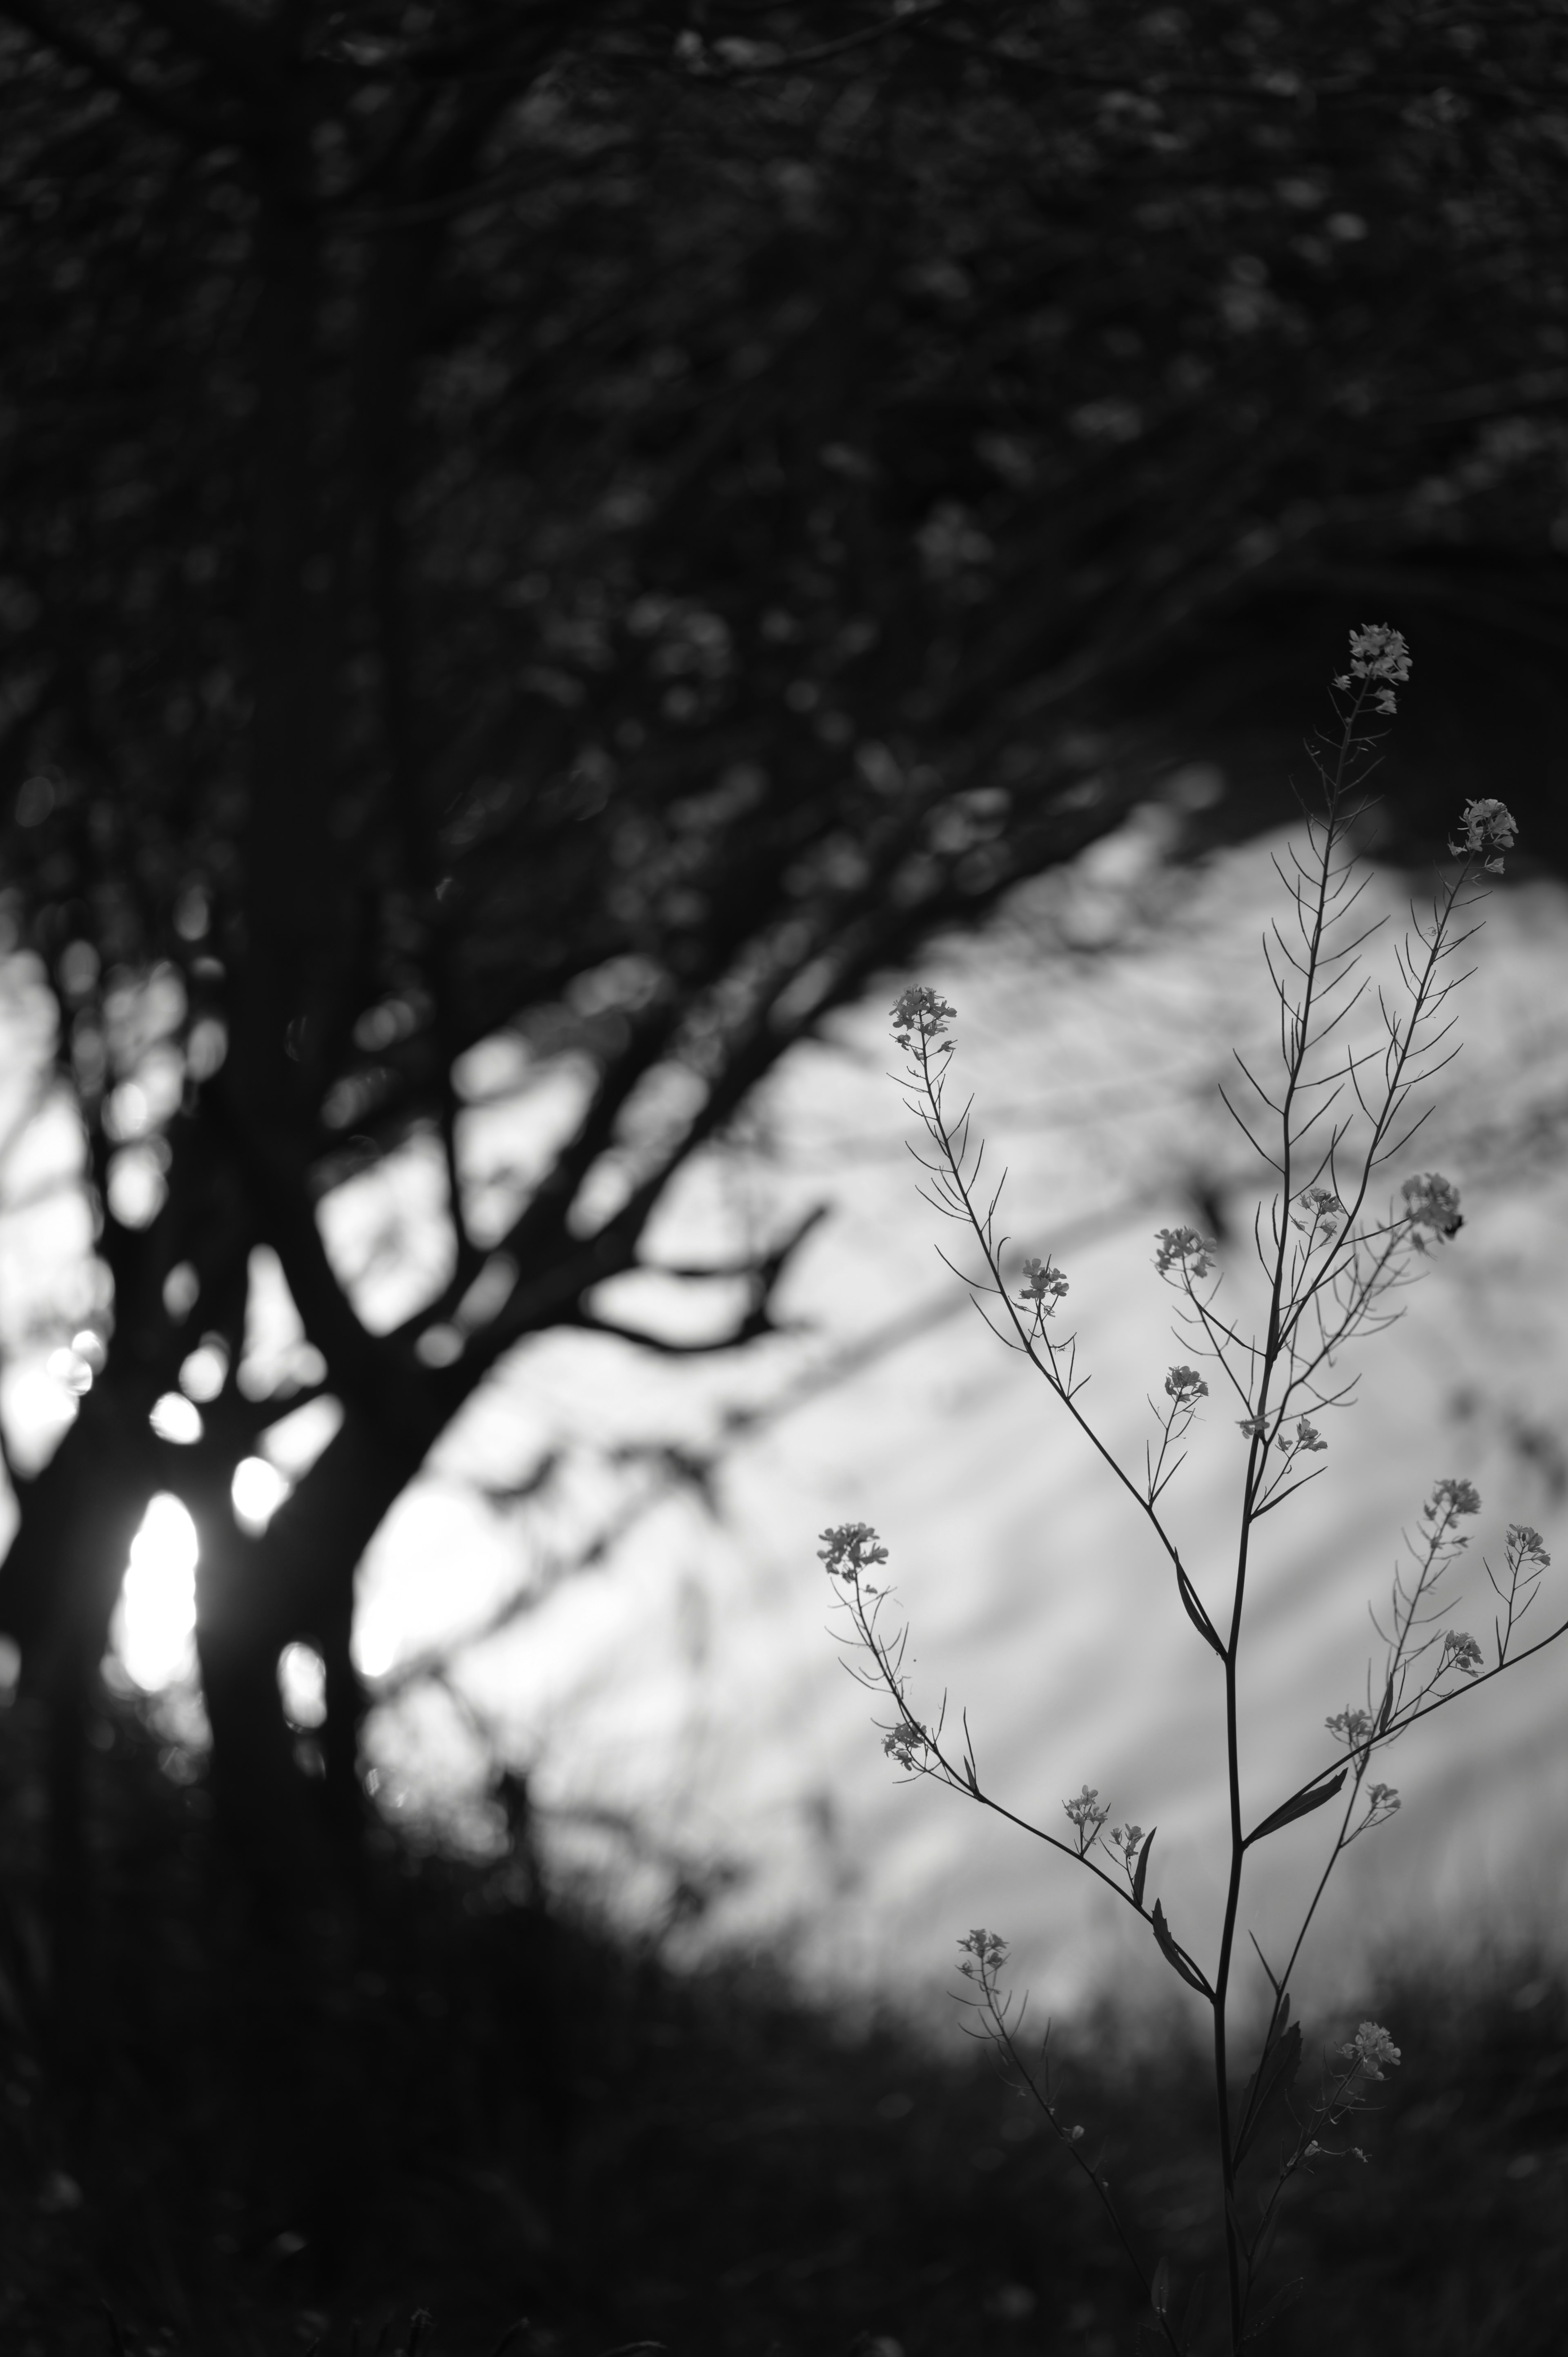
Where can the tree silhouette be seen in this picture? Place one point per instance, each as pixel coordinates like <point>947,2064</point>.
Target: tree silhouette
<point>608,526</point>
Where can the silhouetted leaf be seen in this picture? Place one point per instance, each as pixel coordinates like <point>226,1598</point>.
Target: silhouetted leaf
<point>1285,2298</point>
<point>1143,1868</point>
<point>1174,1956</point>
<point>1300,1804</point>
<point>1196,1613</point>
<point>1192,2318</point>
<point>1278,2069</point>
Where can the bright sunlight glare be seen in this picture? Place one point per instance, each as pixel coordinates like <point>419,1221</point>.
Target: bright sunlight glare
<point>154,1624</point>
<point>173,1417</point>
<point>258,1490</point>
<point>302,1682</point>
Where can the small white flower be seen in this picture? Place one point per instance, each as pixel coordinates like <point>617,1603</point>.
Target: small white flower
<point>850,1548</point>
<point>984,1953</point>
<point>1184,1249</point>
<point>1185,1387</point>
<point>1451,1499</point>
<point>1460,1652</point>
<point>1045,1288</point>
<point>920,1014</point>
<point>1370,2049</point>
<point>1432,1202</point>
<point>906,1743</point>
<point>1487,826</point>
<point>1378,651</point>
<point>1087,1816</point>
<point>1319,1211</point>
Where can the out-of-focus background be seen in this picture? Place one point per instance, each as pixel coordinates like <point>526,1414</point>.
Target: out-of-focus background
<point>552,563</point>
<point>646,1636</point>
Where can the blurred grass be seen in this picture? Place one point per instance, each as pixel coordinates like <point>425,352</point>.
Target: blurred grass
<point>245,2140</point>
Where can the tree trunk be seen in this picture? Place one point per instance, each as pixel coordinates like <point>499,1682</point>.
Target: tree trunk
<point>61,1579</point>
<point>57,1590</point>
<point>254,1596</point>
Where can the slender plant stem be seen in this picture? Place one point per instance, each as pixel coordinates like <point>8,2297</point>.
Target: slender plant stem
<point>1298,1042</point>
<point>1337,1274</point>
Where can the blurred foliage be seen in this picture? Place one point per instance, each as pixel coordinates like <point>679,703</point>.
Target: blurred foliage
<point>467,2104</point>
<point>609,524</point>
<point>694,445</point>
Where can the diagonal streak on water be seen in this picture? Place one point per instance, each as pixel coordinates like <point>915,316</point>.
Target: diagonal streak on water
<point>689,1682</point>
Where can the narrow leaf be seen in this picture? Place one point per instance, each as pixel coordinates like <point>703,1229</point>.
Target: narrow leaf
<point>1173,1955</point>
<point>1160,2289</point>
<point>1196,1613</point>
<point>1192,2320</point>
<point>1285,2298</point>
<point>1277,2069</point>
<point>1301,1805</point>
<point>1141,1869</point>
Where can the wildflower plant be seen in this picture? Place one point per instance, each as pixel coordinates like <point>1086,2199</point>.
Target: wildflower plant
<point>1333,1247</point>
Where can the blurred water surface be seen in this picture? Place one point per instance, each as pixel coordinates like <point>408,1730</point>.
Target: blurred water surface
<point>689,1682</point>
<point>677,1701</point>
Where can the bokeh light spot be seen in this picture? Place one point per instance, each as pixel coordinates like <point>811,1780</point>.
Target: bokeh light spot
<point>154,1624</point>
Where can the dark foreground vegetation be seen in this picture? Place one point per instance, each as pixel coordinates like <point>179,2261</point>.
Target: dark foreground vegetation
<point>475,2105</point>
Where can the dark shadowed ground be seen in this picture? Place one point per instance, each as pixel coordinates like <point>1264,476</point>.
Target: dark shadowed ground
<point>482,2109</point>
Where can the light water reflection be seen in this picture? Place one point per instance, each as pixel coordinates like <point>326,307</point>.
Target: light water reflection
<point>684,1686</point>
<point>688,1680</point>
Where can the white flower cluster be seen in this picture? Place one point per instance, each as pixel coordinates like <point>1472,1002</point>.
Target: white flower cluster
<point>1045,1288</point>
<point>1087,1816</point>
<point>1432,1206</point>
<point>1185,1387</point>
<point>1378,652</point>
<point>1524,1546</point>
<point>1127,1841</point>
<point>920,1014</point>
<point>850,1548</point>
<point>1319,1212</point>
<point>1351,1726</point>
<point>1487,826</point>
<point>1461,1652</point>
<point>907,1743</point>
<point>1370,2049</point>
<point>1451,1499</point>
<point>984,1953</point>
<point>1184,1249</point>
<point>1307,1437</point>
<point>1383,1803</point>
